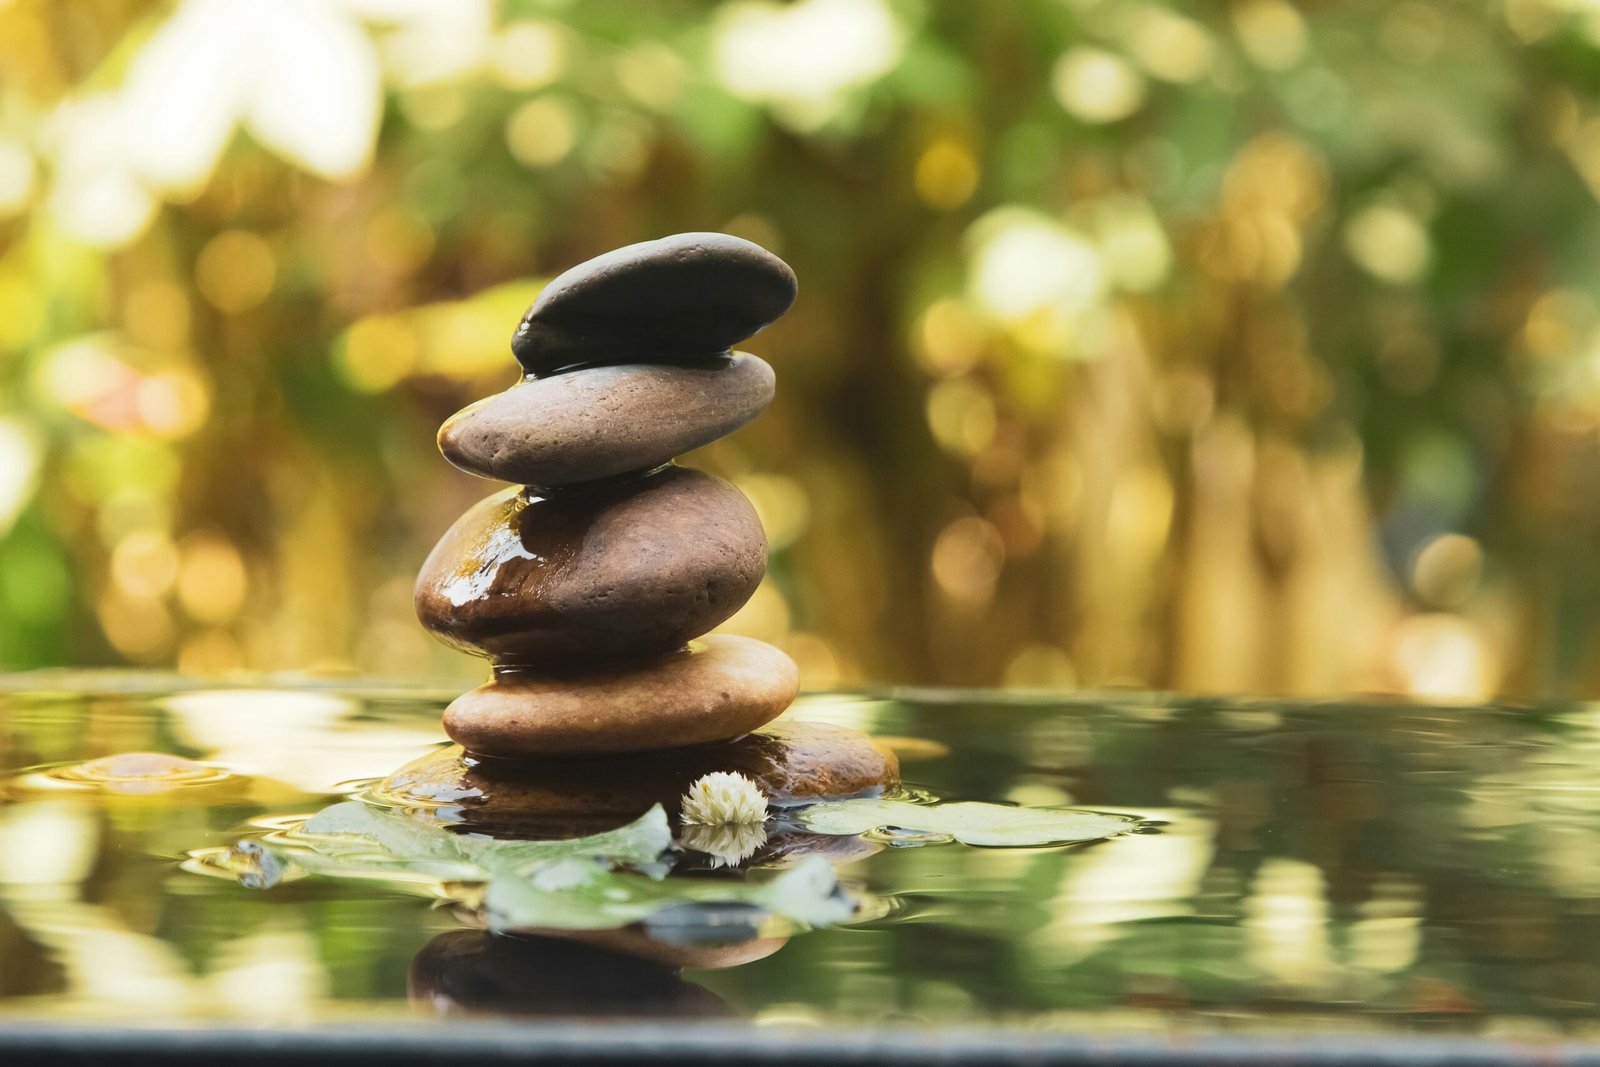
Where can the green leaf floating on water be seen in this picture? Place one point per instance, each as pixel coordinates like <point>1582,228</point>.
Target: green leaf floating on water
<point>598,882</point>
<point>578,894</point>
<point>351,829</point>
<point>970,822</point>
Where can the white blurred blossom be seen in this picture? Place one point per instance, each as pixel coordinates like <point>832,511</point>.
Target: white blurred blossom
<point>303,77</point>
<point>803,59</point>
<point>1025,262</point>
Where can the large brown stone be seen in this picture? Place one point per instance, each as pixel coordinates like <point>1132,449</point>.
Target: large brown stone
<point>600,422</point>
<point>790,761</point>
<point>721,687</point>
<point>616,572</point>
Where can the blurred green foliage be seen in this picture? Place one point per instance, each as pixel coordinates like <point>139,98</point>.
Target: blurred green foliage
<point>1248,347</point>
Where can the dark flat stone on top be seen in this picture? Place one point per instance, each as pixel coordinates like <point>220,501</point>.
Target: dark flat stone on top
<point>688,294</point>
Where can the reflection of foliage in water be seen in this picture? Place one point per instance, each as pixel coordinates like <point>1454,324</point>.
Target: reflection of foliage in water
<point>1375,867</point>
<point>1239,348</point>
<point>969,822</point>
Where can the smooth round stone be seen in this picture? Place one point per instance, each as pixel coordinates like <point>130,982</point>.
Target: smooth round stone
<point>790,761</point>
<point>688,294</point>
<point>722,686</point>
<point>616,572</point>
<point>599,422</point>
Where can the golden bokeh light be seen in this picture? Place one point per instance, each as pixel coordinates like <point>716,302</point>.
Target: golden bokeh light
<point>236,270</point>
<point>530,53</point>
<point>1170,46</point>
<point>946,175</point>
<point>140,628</point>
<point>145,564</point>
<point>541,132</point>
<point>1096,86</point>
<point>1272,32</point>
<point>961,416</point>
<point>652,74</point>
<point>1389,243</point>
<point>211,581</point>
<point>377,354</point>
<point>966,561</point>
<point>949,339</point>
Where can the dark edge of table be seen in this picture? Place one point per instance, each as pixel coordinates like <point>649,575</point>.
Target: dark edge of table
<point>622,1042</point>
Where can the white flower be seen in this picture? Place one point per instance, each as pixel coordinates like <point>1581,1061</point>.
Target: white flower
<point>722,798</point>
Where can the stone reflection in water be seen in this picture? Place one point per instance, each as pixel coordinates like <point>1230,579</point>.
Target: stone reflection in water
<point>476,972</point>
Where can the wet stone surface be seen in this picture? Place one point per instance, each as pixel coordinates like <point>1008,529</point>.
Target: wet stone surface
<point>789,761</point>
<point>617,572</point>
<point>720,686</point>
<point>585,585</point>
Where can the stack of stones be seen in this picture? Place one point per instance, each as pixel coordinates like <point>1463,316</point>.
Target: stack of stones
<point>592,583</point>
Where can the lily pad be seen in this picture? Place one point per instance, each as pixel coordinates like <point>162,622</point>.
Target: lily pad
<point>970,822</point>
<point>353,830</point>
<point>598,882</point>
<point>580,894</point>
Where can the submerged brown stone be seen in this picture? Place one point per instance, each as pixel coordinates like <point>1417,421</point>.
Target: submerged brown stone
<point>600,422</point>
<point>721,687</point>
<point>790,761</point>
<point>608,573</point>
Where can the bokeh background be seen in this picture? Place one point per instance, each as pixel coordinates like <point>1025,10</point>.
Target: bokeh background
<point>1224,347</point>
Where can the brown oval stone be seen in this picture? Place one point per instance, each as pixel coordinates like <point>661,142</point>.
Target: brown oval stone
<point>721,687</point>
<point>600,422</point>
<point>617,572</point>
<point>790,761</point>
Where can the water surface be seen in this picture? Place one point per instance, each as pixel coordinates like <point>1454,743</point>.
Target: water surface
<point>1356,868</point>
